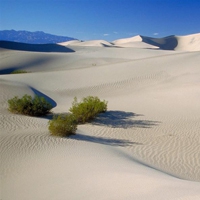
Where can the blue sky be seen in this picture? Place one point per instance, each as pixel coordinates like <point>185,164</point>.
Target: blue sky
<point>102,19</point>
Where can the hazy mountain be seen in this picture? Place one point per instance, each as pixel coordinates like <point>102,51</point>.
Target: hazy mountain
<point>37,37</point>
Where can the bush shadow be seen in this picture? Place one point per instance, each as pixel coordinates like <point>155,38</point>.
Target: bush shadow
<point>105,141</point>
<point>121,119</point>
<point>51,115</point>
<point>113,119</point>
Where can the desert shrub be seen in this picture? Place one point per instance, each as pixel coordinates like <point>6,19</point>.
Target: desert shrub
<point>88,108</point>
<point>63,125</point>
<point>27,105</point>
<point>19,71</point>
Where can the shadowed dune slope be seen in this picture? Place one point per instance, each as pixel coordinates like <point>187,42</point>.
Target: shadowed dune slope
<point>34,47</point>
<point>166,43</point>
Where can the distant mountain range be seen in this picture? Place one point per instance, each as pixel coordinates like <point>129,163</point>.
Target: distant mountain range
<point>37,37</point>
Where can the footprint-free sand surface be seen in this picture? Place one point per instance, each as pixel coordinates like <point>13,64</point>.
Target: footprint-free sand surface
<point>146,146</point>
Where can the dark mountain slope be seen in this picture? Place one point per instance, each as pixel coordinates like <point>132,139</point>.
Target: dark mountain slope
<point>37,37</point>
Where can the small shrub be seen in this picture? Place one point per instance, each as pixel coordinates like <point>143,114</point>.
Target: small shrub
<point>63,125</point>
<point>19,71</point>
<point>27,105</point>
<point>88,109</point>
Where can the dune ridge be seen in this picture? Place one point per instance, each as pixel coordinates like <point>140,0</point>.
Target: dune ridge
<point>173,42</point>
<point>146,146</point>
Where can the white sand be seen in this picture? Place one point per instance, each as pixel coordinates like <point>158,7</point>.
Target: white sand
<point>147,146</point>
<point>189,42</point>
<point>135,41</point>
<point>86,43</point>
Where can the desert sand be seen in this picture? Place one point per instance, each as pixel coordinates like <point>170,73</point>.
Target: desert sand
<point>146,146</point>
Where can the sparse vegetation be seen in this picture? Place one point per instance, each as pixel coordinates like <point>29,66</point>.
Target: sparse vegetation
<point>81,112</point>
<point>60,125</point>
<point>27,105</point>
<point>63,125</point>
<point>87,109</point>
<point>19,71</point>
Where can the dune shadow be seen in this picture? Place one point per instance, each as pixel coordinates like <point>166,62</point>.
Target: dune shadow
<point>35,47</point>
<point>9,70</point>
<point>35,62</point>
<point>102,140</point>
<point>121,119</point>
<point>47,98</point>
<point>166,43</point>
<point>110,46</point>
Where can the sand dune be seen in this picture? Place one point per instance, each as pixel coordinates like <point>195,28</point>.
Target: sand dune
<point>189,42</point>
<point>71,42</point>
<point>101,43</point>
<point>178,43</point>
<point>145,147</point>
<point>126,40</point>
<point>135,41</point>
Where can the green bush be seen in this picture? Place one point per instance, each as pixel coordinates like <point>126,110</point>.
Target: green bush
<point>27,105</point>
<point>63,125</point>
<point>18,71</point>
<point>87,109</point>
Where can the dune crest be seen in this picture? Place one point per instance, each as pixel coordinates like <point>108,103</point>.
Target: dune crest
<point>135,42</point>
<point>127,40</point>
<point>173,42</point>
